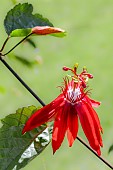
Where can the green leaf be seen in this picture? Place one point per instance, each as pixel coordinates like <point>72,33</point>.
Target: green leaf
<point>20,32</point>
<point>60,34</point>
<point>17,150</point>
<point>110,149</point>
<point>31,42</point>
<point>25,61</point>
<point>21,17</point>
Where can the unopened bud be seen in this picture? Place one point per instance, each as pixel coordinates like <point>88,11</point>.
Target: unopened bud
<point>65,68</point>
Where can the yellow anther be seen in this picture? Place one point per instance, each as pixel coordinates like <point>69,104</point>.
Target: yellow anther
<point>76,65</point>
<point>84,68</point>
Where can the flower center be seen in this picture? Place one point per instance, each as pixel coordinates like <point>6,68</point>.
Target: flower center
<point>73,95</point>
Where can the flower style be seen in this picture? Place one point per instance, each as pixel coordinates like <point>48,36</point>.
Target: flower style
<point>71,104</point>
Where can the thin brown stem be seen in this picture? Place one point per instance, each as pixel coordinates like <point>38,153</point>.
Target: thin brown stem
<point>18,44</point>
<point>4,44</point>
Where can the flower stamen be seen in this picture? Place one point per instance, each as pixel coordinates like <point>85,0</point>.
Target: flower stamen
<point>82,77</point>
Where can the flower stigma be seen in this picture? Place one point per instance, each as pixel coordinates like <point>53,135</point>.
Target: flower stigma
<point>79,78</point>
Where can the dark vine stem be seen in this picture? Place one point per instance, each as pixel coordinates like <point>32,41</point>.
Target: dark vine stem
<point>5,42</point>
<point>18,44</point>
<point>100,157</point>
<point>22,82</point>
<point>43,104</point>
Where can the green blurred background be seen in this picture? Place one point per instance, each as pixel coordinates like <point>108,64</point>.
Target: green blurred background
<point>89,42</point>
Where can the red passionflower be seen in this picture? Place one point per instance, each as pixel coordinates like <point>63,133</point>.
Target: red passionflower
<point>71,104</point>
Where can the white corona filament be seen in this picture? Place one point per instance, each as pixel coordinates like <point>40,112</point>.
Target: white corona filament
<point>73,94</point>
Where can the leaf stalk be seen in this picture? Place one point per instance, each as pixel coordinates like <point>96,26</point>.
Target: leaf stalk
<point>18,44</point>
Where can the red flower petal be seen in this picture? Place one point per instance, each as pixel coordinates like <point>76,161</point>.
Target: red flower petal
<point>93,102</point>
<point>43,115</point>
<point>72,125</point>
<point>43,30</point>
<point>60,126</point>
<point>96,121</point>
<point>58,101</point>
<point>88,126</point>
<point>38,118</point>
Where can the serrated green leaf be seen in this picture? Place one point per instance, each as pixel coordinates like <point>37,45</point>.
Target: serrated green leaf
<point>16,150</point>
<point>21,17</point>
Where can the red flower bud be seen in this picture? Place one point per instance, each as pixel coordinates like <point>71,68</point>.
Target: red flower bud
<point>44,30</point>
